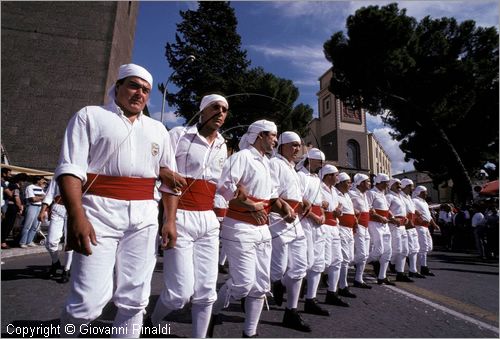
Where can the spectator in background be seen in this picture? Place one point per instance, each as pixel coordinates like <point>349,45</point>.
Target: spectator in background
<point>478,224</point>
<point>34,197</point>
<point>6,172</point>
<point>492,230</point>
<point>14,204</point>
<point>445,222</point>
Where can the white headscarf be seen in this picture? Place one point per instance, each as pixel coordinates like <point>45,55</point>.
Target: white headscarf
<point>288,137</point>
<point>359,178</point>
<point>253,131</point>
<point>130,70</point>
<point>327,169</point>
<point>343,177</point>
<point>381,177</point>
<point>208,99</point>
<point>418,190</point>
<point>405,182</point>
<point>314,154</point>
<point>392,181</point>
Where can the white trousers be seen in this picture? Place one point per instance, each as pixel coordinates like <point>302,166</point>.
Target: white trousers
<point>190,269</point>
<point>347,244</point>
<point>57,229</point>
<point>399,245</point>
<point>333,256</point>
<point>425,243</point>
<point>413,249</point>
<point>289,249</point>
<point>315,236</point>
<point>361,244</point>
<point>381,251</point>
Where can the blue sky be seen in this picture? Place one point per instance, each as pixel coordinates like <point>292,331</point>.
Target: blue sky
<point>286,39</point>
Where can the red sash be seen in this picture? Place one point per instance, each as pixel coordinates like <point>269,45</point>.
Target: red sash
<point>220,212</point>
<point>364,218</point>
<point>421,222</point>
<point>347,220</point>
<point>296,205</point>
<point>198,195</point>
<point>401,220</point>
<point>316,210</point>
<point>242,214</point>
<point>330,220</point>
<point>411,217</point>
<point>382,213</point>
<point>121,188</point>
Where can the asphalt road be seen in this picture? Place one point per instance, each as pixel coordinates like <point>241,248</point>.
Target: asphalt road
<point>462,301</point>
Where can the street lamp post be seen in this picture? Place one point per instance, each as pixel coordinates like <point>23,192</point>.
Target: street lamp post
<point>189,59</point>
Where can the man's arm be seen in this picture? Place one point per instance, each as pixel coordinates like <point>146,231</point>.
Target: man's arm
<point>169,229</point>
<point>80,231</point>
<point>172,179</point>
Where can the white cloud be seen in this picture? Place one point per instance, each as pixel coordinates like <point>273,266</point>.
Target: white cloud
<point>390,146</point>
<point>169,118</point>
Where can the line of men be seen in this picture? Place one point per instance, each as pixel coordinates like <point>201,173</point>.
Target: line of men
<point>281,224</point>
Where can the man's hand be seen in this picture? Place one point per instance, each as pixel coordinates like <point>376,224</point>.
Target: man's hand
<point>80,235</point>
<point>306,206</point>
<point>289,214</point>
<point>168,235</point>
<point>241,193</point>
<point>259,212</point>
<point>42,216</point>
<point>172,179</point>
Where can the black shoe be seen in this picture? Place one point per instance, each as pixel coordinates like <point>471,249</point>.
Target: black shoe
<point>303,288</point>
<point>278,291</point>
<point>311,306</point>
<point>424,270</point>
<point>385,281</point>
<point>376,267</point>
<point>332,298</point>
<point>64,277</point>
<point>344,292</point>
<point>244,335</point>
<point>292,319</point>
<point>400,276</point>
<point>361,285</point>
<point>54,268</point>
<point>214,320</point>
<point>416,275</point>
<point>223,269</point>
<point>392,268</point>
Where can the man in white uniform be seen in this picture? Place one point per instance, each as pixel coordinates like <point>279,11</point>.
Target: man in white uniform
<point>380,235</point>
<point>57,229</point>
<point>289,253</point>
<point>190,269</point>
<point>314,219</point>
<point>399,237</point>
<point>113,155</point>
<point>245,233</point>
<point>413,246</point>
<point>357,193</point>
<point>333,247</point>
<point>347,222</point>
<point>423,220</point>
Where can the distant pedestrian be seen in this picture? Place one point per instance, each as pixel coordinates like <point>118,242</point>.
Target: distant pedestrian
<point>34,196</point>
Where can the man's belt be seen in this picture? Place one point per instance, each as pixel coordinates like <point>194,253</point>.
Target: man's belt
<point>347,220</point>
<point>120,188</point>
<point>382,213</point>
<point>296,205</point>
<point>330,219</point>
<point>242,214</point>
<point>197,195</point>
<point>364,218</point>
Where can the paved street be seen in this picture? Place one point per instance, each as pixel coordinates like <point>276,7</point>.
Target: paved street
<point>461,301</point>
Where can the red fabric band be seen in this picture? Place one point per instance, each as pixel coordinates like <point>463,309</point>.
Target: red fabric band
<point>120,188</point>
<point>198,195</point>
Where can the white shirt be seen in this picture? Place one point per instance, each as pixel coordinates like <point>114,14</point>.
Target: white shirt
<point>34,191</point>
<point>478,219</point>
<point>52,192</point>
<point>410,206</point>
<point>396,204</point>
<point>345,202</point>
<point>422,208</point>
<point>310,185</point>
<point>359,200</point>
<point>102,140</point>
<point>376,199</point>
<point>445,216</point>
<point>285,178</point>
<point>249,168</point>
<point>195,157</point>
<point>330,196</point>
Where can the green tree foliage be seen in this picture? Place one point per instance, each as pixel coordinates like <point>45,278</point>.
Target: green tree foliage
<point>435,82</point>
<point>221,66</point>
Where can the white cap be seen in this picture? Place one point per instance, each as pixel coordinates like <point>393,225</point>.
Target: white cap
<point>327,169</point>
<point>208,99</point>
<point>315,154</point>
<point>405,182</point>
<point>381,177</point>
<point>288,137</point>
<point>343,177</point>
<point>418,190</point>
<point>359,178</point>
<point>254,129</point>
<point>131,70</point>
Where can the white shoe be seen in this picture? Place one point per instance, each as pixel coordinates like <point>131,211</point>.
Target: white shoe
<point>23,246</point>
<point>32,244</point>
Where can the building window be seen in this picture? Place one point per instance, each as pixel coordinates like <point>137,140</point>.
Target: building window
<point>327,108</point>
<point>353,154</point>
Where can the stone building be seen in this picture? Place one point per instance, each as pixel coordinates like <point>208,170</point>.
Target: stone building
<point>56,58</point>
<point>341,133</point>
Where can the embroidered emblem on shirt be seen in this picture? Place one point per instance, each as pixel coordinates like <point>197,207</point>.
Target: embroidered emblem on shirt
<point>155,149</point>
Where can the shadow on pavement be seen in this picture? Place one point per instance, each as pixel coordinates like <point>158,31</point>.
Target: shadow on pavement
<point>30,272</point>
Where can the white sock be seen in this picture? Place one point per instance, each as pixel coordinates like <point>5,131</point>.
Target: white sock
<point>292,291</point>
<point>333,278</point>
<point>68,258</point>
<point>253,309</point>
<point>360,268</point>
<point>343,276</point>
<point>201,317</point>
<point>221,299</point>
<point>313,279</point>
<point>128,324</point>
<point>413,262</point>
<point>383,270</point>
<point>161,311</point>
